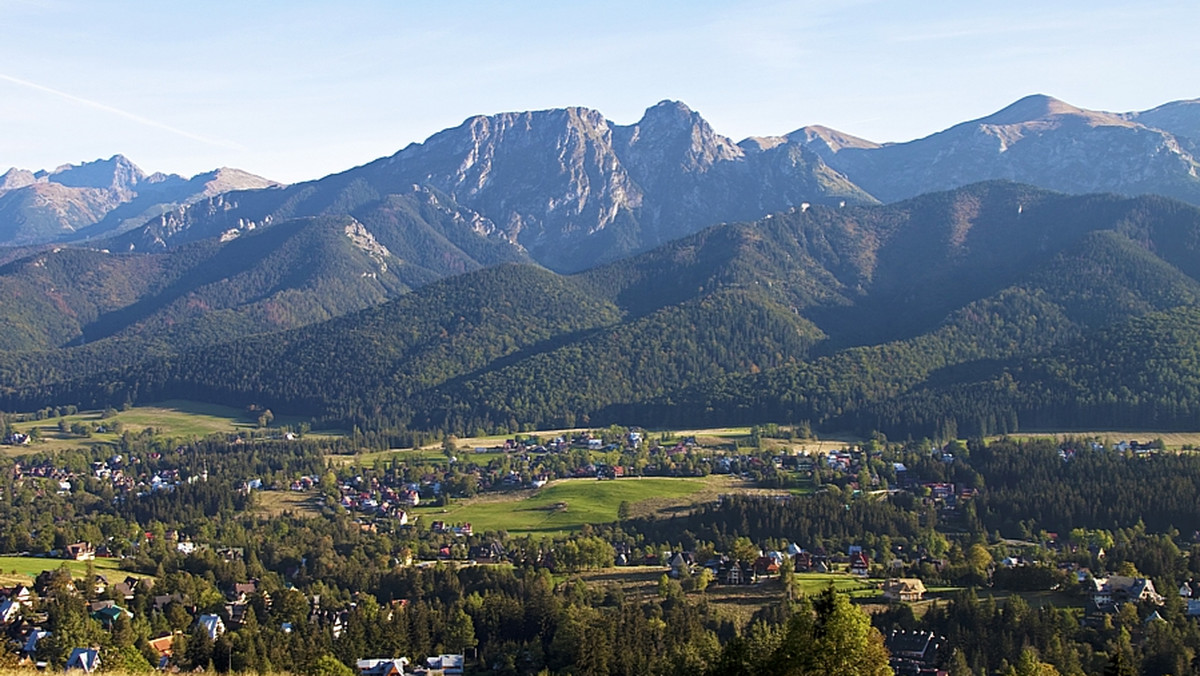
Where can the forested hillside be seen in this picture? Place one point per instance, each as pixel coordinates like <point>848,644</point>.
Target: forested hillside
<point>985,309</point>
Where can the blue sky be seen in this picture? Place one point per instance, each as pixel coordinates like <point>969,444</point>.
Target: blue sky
<point>296,90</point>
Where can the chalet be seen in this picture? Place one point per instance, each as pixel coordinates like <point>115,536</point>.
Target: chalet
<point>126,588</point>
<point>860,565</point>
<point>163,645</point>
<point>80,551</point>
<point>766,565</point>
<point>802,562</point>
<point>161,601</point>
<point>1118,589</point>
<point>84,659</point>
<point>109,616</point>
<point>913,652</point>
<point>736,573</point>
<point>905,590</point>
<point>20,593</point>
<point>681,564</point>
<point>490,553</point>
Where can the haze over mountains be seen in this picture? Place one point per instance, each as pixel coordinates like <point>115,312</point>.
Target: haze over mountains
<point>776,278</point>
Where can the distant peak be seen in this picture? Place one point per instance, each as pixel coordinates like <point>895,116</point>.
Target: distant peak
<point>1042,108</point>
<point>1032,107</point>
<point>117,172</point>
<point>834,139</point>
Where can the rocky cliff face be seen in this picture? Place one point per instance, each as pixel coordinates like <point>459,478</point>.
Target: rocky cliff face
<point>574,189</point>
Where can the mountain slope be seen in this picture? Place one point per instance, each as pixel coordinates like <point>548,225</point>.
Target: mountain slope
<point>298,273</point>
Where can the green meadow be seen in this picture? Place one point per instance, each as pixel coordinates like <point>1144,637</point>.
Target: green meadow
<point>32,566</point>
<point>563,506</point>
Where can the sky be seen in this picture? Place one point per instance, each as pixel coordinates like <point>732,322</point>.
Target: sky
<point>297,90</point>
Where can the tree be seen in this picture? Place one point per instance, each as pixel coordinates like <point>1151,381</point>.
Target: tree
<point>830,636</point>
<point>460,632</point>
<point>787,575</point>
<point>328,665</point>
<point>1029,665</point>
<point>450,446</point>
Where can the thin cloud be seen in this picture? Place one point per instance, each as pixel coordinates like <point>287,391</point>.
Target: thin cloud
<point>122,113</point>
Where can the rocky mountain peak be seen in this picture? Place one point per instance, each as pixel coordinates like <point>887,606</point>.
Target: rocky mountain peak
<point>671,134</point>
<point>115,173</point>
<point>16,178</point>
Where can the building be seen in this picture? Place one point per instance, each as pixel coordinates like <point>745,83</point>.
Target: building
<point>904,589</point>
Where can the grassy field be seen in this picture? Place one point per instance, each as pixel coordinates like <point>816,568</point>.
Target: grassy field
<point>175,418</point>
<point>739,603</point>
<point>564,506</point>
<point>28,567</point>
<point>1174,440</point>
<point>278,503</point>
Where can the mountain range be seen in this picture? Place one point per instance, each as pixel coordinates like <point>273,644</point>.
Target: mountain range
<point>104,197</point>
<point>569,189</point>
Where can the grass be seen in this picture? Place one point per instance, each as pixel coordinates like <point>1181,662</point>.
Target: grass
<point>174,418</point>
<point>1174,440</point>
<point>563,506</point>
<point>278,503</point>
<point>32,566</point>
<point>738,603</point>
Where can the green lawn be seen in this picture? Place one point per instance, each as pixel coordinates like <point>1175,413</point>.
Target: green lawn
<point>815,583</point>
<point>32,566</point>
<point>563,506</point>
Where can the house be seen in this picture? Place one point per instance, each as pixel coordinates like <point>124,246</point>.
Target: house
<point>109,615</point>
<point>860,565</point>
<point>913,652</point>
<point>212,625</point>
<point>445,665</point>
<point>29,649</point>
<point>1117,589</point>
<point>80,551</point>
<point>85,659</point>
<point>904,589</point>
<point>736,572</point>
<point>20,593</point>
<point>490,553</point>
<point>385,666</point>
<point>163,645</point>
<point>161,601</point>
<point>766,565</point>
<point>10,610</point>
